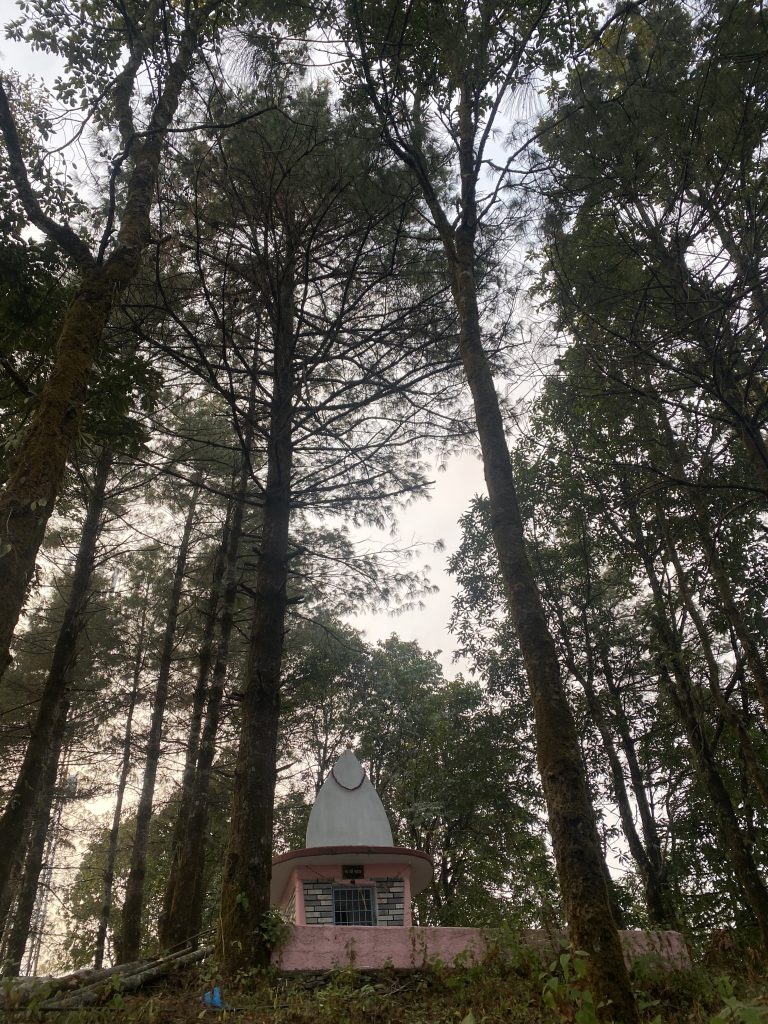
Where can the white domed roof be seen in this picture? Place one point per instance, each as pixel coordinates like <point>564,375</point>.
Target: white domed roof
<point>347,810</point>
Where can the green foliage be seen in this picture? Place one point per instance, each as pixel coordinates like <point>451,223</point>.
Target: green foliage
<point>655,181</point>
<point>653,166</point>
<point>565,990</point>
<point>597,483</point>
<point>34,112</point>
<point>736,1011</point>
<point>34,290</point>
<point>84,897</point>
<point>499,991</point>
<point>275,930</point>
<point>453,766</point>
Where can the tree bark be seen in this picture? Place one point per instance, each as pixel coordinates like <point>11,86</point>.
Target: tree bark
<point>16,941</point>
<point>125,767</point>
<point>576,844</point>
<point>38,465</point>
<point>130,930</point>
<point>17,816</point>
<point>205,658</point>
<point>580,864</point>
<point>186,909</point>
<point>248,860</point>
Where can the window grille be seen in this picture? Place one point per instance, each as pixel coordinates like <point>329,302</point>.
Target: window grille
<point>354,904</point>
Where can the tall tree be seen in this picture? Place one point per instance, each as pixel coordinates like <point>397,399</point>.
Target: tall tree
<point>109,67</point>
<point>654,171</point>
<point>307,274</point>
<point>436,99</point>
<point>54,701</point>
<point>108,875</point>
<point>599,491</point>
<point>183,898</point>
<point>130,930</point>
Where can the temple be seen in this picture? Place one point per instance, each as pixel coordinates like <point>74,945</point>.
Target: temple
<point>348,892</point>
<point>350,872</point>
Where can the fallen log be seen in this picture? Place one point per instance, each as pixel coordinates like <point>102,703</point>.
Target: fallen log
<point>22,987</point>
<point>90,987</point>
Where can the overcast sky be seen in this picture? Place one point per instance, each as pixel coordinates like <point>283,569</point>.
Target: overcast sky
<point>425,523</point>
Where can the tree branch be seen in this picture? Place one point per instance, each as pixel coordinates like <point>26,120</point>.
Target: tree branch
<point>62,234</point>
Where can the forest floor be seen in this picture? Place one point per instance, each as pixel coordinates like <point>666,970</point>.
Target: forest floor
<point>517,989</point>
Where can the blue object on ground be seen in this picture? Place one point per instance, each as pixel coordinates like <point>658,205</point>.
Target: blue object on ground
<point>213,998</point>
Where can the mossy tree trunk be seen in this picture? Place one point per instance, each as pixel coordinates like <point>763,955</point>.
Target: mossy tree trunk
<point>39,462</point>
<point>475,101</point>
<point>575,840</point>
<point>133,905</point>
<point>17,816</point>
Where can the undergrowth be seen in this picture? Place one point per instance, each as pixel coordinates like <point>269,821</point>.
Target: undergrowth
<point>513,986</point>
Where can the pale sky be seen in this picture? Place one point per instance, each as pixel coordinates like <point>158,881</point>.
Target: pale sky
<point>427,522</point>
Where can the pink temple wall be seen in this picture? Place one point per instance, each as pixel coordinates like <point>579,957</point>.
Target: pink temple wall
<point>320,947</point>
<point>324,947</point>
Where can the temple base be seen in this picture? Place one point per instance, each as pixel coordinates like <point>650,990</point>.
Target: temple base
<point>325,947</point>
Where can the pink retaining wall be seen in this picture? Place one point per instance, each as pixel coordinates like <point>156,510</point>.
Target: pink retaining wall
<point>324,947</point>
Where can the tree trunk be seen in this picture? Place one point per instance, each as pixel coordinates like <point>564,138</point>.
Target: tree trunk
<point>658,911</point>
<point>730,715</point>
<point>130,930</point>
<point>576,844</point>
<point>125,767</point>
<point>661,903</point>
<point>16,941</point>
<point>248,861</point>
<point>681,691</point>
<point>575,840</point>
<point>38,465</point>
<point>186,910</point>
<point>15,821</point>
<point>205,657</point>
<point>183,901</point>
<point>731,834</point>
<point>719,574</point>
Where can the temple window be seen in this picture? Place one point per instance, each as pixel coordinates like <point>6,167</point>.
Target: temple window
<point>354,904</point>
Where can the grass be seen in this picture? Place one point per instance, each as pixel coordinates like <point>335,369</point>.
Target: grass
<point>506,989</point>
